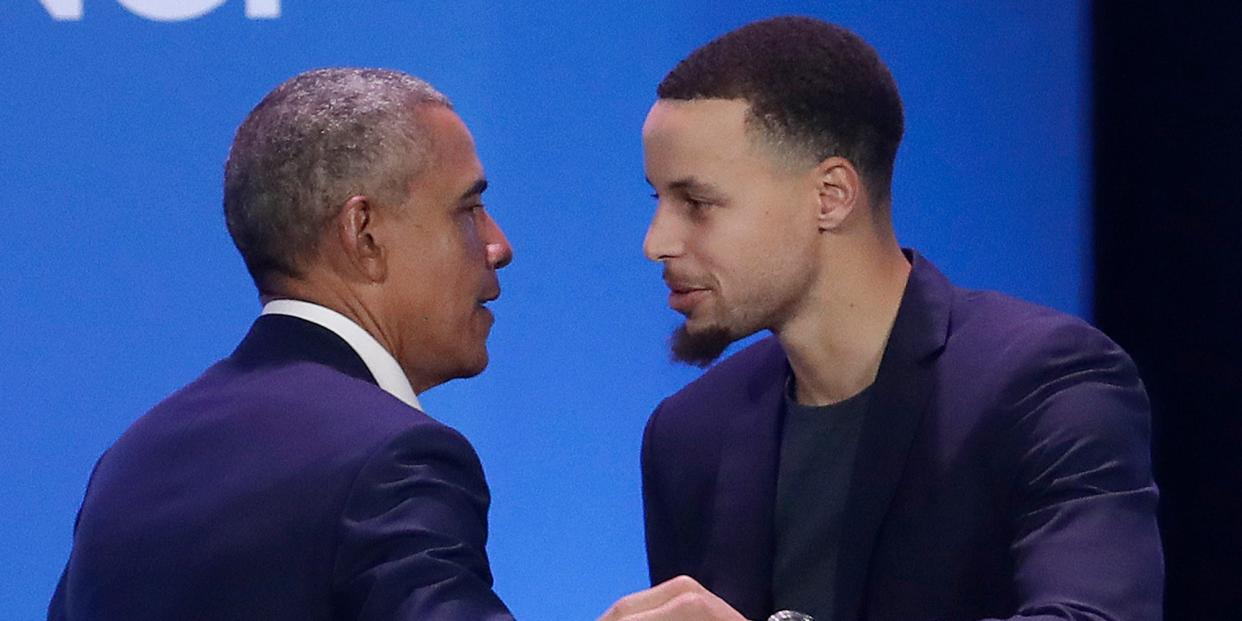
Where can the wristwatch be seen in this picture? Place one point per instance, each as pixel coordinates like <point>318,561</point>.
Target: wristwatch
<point>790,615</point>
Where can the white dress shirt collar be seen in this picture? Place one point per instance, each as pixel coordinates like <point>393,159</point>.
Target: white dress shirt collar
<point>379,361</point>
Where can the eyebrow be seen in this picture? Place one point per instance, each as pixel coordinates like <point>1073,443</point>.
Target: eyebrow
<point>690,184</point>
<point>476,189</point>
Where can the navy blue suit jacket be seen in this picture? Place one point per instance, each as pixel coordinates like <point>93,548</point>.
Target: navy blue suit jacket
<point>1003,471</point>
<point>283,484</point>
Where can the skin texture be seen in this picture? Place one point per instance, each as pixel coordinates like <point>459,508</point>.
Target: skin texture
<point>417,275</point>
<point>750,241</point>
<point>733,230</point>
<point>681,598</point>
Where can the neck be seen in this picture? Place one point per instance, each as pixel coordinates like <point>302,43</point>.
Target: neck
<point>324,290</point>
<point>836,337</point>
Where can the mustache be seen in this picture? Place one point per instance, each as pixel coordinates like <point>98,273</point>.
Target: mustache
<point>683,280</point>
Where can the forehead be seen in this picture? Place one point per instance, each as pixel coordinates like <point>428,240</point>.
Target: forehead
<point>708,122</point>
<point>698,136</point>
<point>450,156</point>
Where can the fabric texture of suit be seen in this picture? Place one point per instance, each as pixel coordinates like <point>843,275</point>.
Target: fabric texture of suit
<point>283,484</point>
<point>1003,471</point>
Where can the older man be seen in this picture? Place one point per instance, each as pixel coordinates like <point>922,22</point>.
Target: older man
<point>298,478</point>
<point>900,449</point>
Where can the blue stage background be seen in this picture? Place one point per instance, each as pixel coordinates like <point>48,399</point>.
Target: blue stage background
<point>118,282</point>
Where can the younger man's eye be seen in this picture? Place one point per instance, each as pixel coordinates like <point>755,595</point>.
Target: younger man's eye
<point>697,204</point>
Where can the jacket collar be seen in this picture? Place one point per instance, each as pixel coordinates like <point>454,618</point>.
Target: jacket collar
<point>740,554</point>
<point>282,339</point>
<point>901,391</point>
<point>384,368</point>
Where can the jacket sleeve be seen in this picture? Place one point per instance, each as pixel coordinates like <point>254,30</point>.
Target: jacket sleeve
<point>59,607</point>
<point>413,533</point>
<point>658,519</point>
<point>1086,544</point>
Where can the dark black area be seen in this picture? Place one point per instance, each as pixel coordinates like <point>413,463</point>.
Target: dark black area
<point>1168,225</point>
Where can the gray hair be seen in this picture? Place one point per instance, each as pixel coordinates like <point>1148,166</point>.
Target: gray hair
<point>310,145</point>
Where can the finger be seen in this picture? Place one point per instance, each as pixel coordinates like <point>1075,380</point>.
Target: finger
<point>683,607</point>
<point>690,606</point>
<point>652,598</point>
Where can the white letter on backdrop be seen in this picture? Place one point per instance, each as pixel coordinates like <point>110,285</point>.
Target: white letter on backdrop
<point>262,9</point>
<point>63,10</point>
<point>170,10</point>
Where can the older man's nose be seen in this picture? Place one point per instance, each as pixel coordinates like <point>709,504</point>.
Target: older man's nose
<point>499,252</point>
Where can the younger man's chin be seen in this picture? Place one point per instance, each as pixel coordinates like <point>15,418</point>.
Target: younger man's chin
<point>701,347</point>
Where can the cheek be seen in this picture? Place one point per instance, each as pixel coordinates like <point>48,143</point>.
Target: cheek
<point>769,265</point>
<point>441,263</point>
<point>465,253</point>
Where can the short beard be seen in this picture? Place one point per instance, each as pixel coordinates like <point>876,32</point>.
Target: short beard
<point>700,348</point>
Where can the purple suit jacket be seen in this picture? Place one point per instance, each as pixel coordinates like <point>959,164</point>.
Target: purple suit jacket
<point>283,484</point>
<point>1003,471</point>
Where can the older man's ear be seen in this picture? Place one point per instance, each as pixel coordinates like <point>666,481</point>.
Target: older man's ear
<point>355,232</point>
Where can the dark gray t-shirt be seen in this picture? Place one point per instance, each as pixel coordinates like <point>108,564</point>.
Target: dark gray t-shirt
<point>818,444</point>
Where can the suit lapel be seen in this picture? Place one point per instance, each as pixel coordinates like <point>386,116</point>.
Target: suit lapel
<point>901,391</point>
<point>738,560</point>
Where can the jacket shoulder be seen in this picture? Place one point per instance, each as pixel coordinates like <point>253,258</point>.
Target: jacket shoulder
<point>1020,340</point>
<point>698,407</point>
<point>307,396</point>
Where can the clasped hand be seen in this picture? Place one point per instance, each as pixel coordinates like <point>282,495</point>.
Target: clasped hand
<point>679,599</point>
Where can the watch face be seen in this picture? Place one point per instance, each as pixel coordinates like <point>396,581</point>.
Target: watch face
<point>790,615</point>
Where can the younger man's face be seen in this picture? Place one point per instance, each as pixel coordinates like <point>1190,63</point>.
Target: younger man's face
<point>735,229</point>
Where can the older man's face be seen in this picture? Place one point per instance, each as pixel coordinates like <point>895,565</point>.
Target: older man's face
<point>443,253</point>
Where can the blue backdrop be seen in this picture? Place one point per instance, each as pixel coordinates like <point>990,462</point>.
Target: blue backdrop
<point>119,282</point>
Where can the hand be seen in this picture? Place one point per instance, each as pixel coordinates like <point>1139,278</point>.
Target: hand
<point>679,599</point>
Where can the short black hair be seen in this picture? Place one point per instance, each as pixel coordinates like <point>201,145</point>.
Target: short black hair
<point>811,85</point>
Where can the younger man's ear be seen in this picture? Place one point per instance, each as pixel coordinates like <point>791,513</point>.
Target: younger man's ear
<point>839,189</point>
